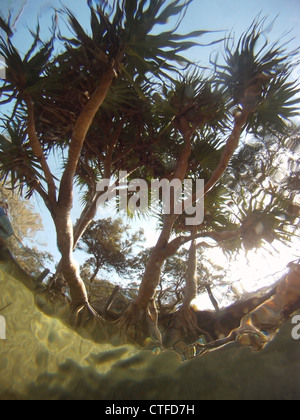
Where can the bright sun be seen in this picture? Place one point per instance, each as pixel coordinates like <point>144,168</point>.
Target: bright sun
<point>246,274</point>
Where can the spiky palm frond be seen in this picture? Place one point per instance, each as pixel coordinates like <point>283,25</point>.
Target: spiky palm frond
<point>121,36</point>
<point>277,108</point>
<point>261,198</point>
<point>25,73</point>
<point>150,50</point>
<point>18,166</point>
<point>247,62</point>
<point>126,33</point>
<point>206,153</point>
<point>256,76</point>
<point>268,225</point>
<point>194,97</point>
<point>5,26</point>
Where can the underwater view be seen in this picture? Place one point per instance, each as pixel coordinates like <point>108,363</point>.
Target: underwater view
<point>42,358</point>
<point>149,202</point>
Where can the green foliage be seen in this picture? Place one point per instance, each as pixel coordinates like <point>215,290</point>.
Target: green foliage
<point>256,78</point>
<point>61,83</point>
<point>26,223</point>
<point>195,97</point>
<point>18,165</point>
<point>277,107</point>
<point>263,196</point>
<point>110,248</point>
<point>147,49</point>
<point>25,74</point>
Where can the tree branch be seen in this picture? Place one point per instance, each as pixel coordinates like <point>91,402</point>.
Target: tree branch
<point>174,245</point>
<point>80,131</point>
<point>90,209</point>
<point>211,297</point>
<point>231,145</point>
<point>37,149</point>
<point>182,165</point>
<point>110,150</point>
<point>45,197</point>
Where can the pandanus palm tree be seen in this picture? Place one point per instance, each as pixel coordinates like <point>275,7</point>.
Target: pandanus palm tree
<point>116,98</point>
<point>250,93</point>
<point>85,100</point>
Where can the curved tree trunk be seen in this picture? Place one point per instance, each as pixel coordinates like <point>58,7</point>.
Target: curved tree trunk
<point>183,326</point>
<point>135,317</point>
<point>159,253</point>
<point>68,266</point>
<point>140,320</point>
<point>155,262</point>
<point>60,208</point>
<point>84,221</point>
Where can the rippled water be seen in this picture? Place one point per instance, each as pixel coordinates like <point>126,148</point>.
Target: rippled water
<point>43,359</point>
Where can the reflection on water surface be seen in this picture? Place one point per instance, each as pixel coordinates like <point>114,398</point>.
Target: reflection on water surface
<point>43,359</point>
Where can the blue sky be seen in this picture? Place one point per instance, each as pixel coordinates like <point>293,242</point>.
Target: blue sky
<point>226,15</point>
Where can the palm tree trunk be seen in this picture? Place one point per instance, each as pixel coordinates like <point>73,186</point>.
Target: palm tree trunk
<point>155,262</point>
<point>136,317</point>
<point>60,209</point>
<point>159,255</point>
<point>87,216</point>
<point>68,266</point>
<point>64,227</point>
<point>80,131</point>
<point>190,291</point>
<point>183,326</point>
<point>140,320</point>
<point>231,146</point>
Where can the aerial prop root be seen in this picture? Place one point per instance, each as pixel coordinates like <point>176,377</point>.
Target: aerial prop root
<point>85,312</point>
<point>185,321</point>
<point>245,335</point>
<point>139,323</point>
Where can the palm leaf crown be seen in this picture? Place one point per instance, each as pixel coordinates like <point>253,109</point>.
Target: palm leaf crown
<point>60,84</point>
<point>256,77</point>
<point>121,35</point>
